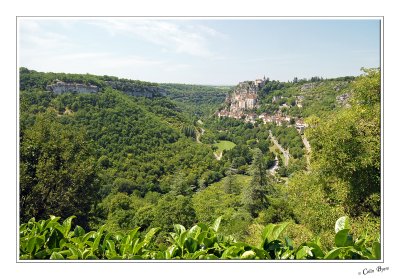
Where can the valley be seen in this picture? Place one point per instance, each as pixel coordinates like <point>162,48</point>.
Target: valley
<point>121,154</point>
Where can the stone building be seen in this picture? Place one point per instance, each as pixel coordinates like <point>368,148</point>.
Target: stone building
<point>243,98</point>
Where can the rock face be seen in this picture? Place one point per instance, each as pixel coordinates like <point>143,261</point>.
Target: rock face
<point>62,87</point>
<point>343,99</point>
<point>136,90</point>
<point>307,86</point>
<point>244,97</point>
<point>129,88</point>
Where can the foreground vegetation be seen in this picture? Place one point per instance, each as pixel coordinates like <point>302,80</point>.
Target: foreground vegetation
<point>50,239</point>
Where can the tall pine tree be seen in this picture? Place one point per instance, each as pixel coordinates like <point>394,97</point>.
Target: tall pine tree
<point>254,196</point>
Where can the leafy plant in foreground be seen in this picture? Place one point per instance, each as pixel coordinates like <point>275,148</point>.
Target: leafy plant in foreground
<point>50,239</point>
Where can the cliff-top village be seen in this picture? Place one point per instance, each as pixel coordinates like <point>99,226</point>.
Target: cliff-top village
<point>242,103</point>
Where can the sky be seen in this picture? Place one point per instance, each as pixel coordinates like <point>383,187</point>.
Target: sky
<point>214,51</point>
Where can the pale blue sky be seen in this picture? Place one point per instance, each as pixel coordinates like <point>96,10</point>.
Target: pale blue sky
<point>199,51</point>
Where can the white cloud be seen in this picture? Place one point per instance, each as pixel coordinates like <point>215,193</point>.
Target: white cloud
<point>54,49</point>
<point>193,40</point>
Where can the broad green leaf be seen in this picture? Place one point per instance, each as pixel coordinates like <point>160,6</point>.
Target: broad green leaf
<point>66,253</point>
<point>333,254</point>
<point>137,245</point>
<point>179,229</point>
<point>216,224</point>
<point>289,243</point>
<point>86,253</point>
<point>79,231</point>
<point>316,250</point>
<point>209,242</point>
<point>278,230</point>
<point>150,235</point>
<point>88,236</point>
<point>54,239</point>
<point>56,256</point>
<point>31,244</point>
<point>358,254</point>
<point>126,245</point>
<point>98,237</point>
<point>204,227</point>
<point>376,250</point>
<point>303,253</point>
<point>191,245</point>
<point>194,232</point>
<point>39,227</point>
<point>106,237</point>
<point>134,233</point>
<point>74,252</point>
<point>201,237</point>
<point>261,254</point>
<point>197,254</point>
<point>111,246</point>
<point>267,232</point>
<point>41,254</point>
<point>248,255</point>
<point>67,225</point>
<point>342,223</point>
<point>60,228</point>
<point>52,222</point>
<point>170,252</point>
<point>287,254</point>
<point>182,238</point>
<point>342,238</point>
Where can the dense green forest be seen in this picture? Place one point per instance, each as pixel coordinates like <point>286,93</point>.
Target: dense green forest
<point>197,101</point>
<point>130,169</point>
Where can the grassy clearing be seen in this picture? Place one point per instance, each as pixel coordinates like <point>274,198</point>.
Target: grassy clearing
<point>224,145</point>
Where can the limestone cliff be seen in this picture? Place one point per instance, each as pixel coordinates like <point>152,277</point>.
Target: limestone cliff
<point>137,90</point>
<point>243,98</point>
<point>60,87</point>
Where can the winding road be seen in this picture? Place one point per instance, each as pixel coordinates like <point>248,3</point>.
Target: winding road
<point>275,166</point>
<point>284,152</point>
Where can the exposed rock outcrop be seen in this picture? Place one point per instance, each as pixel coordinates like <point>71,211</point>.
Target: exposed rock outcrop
<point>60,87</point>
<point>307,86</point>
<point>343,99</point>
<point>244,97</point>
<point>137,90</point>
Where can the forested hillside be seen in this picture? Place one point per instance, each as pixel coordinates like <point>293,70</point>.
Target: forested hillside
<point>198,100</point>
<point>110,147</point>
<point>135,159</point>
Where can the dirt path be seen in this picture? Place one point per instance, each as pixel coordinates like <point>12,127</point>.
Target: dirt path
<point>198,135</point>
<point>285,153</point>
<point>273,169</point>
<point>218,156</point>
